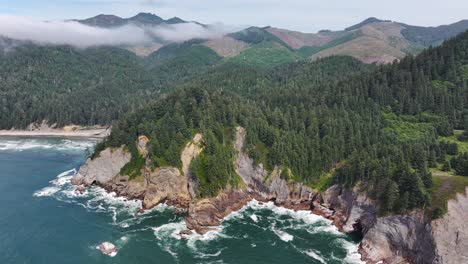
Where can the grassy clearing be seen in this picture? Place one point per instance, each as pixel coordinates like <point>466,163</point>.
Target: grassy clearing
<point>409,128</point>
<point>446,188</point>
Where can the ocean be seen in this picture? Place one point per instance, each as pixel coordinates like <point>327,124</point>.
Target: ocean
<point>44,221</point>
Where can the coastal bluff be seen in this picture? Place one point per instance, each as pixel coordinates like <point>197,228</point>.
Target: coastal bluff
<point>411,238</point>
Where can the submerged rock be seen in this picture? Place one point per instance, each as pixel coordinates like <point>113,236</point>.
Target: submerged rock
<point>108,248</point>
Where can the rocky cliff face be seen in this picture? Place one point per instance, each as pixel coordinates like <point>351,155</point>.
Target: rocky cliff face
<point>451,232</point>
<point>411,238</point>
<point>392,239</point>
<point>165,184</point>
<point>206,214</point>
<point>103,168</point>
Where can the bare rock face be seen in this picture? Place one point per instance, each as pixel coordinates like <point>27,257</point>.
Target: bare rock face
<point>103,168</point>
<point>269,185</point>
<point>191,151</point>
<point>166,184</point>
<point>451,232</point>
<point>399,239</point>
<point>252,175</point>
<point>141,145</point>
<point>123,186</point>
<point>350,210</point>
<point>207,214</point>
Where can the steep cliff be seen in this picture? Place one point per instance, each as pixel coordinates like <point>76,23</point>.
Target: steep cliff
<point>451,232</point>
<point>206,214</point>
<point>410,238</point>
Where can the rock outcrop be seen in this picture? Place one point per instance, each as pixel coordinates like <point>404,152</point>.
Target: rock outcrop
<point>399,239</point>
<point>206,214</point>
<point>166,185</point>
<point>450,233</point>
<point>410,238</point>
<point>103,168</point>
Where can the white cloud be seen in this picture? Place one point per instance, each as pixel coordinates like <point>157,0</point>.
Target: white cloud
<point>186,31</point>
<point>76,34</point>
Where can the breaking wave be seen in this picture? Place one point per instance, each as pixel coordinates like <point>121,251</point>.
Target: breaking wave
<point>259,225</point>
<point>22,144</point>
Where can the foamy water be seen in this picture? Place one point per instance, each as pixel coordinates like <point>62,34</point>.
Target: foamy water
<point>22,144</point>
<point>259,231</point>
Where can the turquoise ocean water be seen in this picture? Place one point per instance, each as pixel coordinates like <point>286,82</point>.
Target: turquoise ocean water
<point>44,221</point>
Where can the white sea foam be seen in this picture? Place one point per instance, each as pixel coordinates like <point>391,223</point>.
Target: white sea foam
<point>56,184</point>
<point>207,255</point>
<point>283,235</point>
<point>352,252</point>
<point>46,191</point>
<point>18,144</point>
<point>303,215</point>
<point>254,218</point>
<point>315,255</point>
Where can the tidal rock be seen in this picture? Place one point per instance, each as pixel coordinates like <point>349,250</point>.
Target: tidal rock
<point>207,214</point>
<point>108,248</point>
<point>80,189</point>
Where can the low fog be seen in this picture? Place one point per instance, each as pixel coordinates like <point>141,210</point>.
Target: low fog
<point>79,35</point>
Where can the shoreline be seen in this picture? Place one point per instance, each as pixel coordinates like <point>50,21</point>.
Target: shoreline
<point>96,133</point>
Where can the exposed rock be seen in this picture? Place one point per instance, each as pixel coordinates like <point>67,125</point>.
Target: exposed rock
<point>349,209</point>
<point>166,184</point>
<point>108,249</point>
<point>191,151</point>
<point>141,145</point>
<point>451,232</point>
<point>207,214</point>
<point>252,175</point>
<point>80,189</point>
<point>103,168</point>
<point>123,186</point>
<point>393,239</point>
<point>399,239</point>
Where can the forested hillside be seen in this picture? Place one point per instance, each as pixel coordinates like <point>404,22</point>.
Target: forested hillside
<point>335,120</point>
<point>66,85</point>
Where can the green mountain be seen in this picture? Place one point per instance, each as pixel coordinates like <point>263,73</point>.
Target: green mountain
<point>371,41</point>
<point>66,85</point>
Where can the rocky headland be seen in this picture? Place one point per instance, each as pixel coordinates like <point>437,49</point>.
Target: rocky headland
<point>411,238</point>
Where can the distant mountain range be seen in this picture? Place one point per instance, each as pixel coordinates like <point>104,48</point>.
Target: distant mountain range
<point>370,41</point>
<point>141,19</point>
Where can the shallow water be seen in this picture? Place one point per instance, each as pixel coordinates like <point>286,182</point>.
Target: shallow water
<point>43,220</point>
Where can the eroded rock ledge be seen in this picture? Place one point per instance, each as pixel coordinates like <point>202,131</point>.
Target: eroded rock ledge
<point>393,239</point>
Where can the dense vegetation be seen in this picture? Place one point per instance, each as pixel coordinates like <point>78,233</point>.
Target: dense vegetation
<point>65,85</point>
<point>427,36</point>
<point>331,121</point>
<point>333,117</point>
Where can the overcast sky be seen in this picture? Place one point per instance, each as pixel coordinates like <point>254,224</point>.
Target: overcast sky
<point>303,15</point>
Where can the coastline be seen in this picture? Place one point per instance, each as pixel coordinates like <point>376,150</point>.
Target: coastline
<point>97,133</point>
